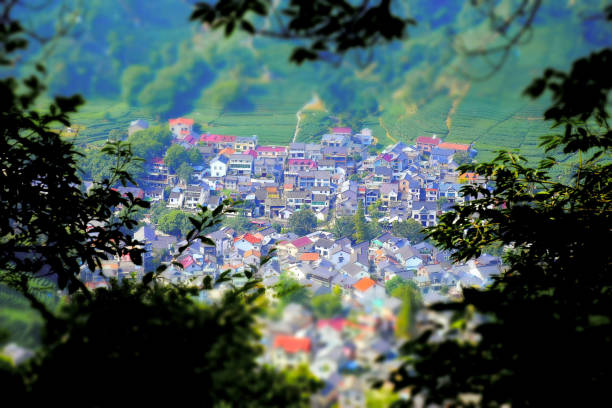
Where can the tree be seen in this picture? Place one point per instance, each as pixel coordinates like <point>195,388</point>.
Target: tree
<point>410,229</point>
<point>343,227</point>
<point>175,156</point>
<point>461,157</point>
<point>175,222</point>
<point>361,228</point>
<point>374,210</point>
<point>288,290</point>
<point>150,142</point>
<point>547,315</point>
<point>195,157</point>
<point>134,333</point>
<point>405,326</point>
<point>303,222</point>
<point>327,305</point>
<point>441,202</point>
<point>239,223</point>
<point>185,171</point>
<point>325,27</point>
<point>133,80</point>
<point>397,282</point>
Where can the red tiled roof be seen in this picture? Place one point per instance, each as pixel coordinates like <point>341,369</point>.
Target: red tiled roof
<point>301,242</point>
<point>158,160</point>
<point>189,139</point>
<point>249,237</point>
<point>292,344</point>
<point>364,284</point>
<point>428,140</point>
<point>181,121</point>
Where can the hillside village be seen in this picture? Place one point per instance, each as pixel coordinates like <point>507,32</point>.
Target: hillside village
<point>334,178</point>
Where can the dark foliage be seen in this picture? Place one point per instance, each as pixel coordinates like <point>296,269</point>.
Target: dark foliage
<point>541,334</point>
<point>154,345</point>
<point>323,27</point>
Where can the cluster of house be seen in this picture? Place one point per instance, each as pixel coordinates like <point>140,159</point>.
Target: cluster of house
<point>407,181</point>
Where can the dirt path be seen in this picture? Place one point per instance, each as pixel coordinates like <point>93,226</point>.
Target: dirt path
<point>313,102</point>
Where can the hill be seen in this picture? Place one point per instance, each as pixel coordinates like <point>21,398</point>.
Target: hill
<point>148,57</point>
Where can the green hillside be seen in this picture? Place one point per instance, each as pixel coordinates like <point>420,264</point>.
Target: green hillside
<point>132,59</point>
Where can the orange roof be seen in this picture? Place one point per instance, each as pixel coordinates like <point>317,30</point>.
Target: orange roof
<point>469,175</point>
<point>249,237</point>
<point>228,151</point>
<point>292,344</point>
<point>454,146</point>
<point>364,284</point>
<point>309,256</point>
<point>271,189</point>
<point>252,252</point>
<point>180,121</point>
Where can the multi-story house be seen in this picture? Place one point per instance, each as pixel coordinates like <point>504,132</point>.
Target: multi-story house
<point>313,151</point>
<point>245,143</point>
<point>297,151</point>
<point>364,137</point>
<point>296,165</point>
<point>181,127</point>
<point>271,151</point>
<point>240,164</point>
<point>335,140</point>
<point>218,141</point>
<point>297,199</point>
<point>219,166</point>
<point>425,212</point>
<point>337,154</point>
<point>194,195</point>
<point>175,200</point>
<point>326,164</point>
<point>267,167</point>
<point>322,178</point>
<point>319,202</point>
<point>426,144</point>
<point>389,192</point>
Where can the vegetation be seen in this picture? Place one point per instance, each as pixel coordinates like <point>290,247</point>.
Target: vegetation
<point>547,316</point>
<point>421,85</point>
<point>343,227</point>
<point>396,282</point>
<point>175,222</point>
<point>410,229</point>
<point>327,305</point>
<point>133,333</point>
<point>288,290</point>
<point>176,155</point>
<point>405,325</point>
<point>184,172</point>
<point>302,222</point>
<point>151,142</point>
<point>239,223</point>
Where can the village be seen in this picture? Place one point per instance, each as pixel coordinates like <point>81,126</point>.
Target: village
<point>343,320</point>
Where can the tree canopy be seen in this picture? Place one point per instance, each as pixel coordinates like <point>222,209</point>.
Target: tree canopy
<point>547,315</point>
<point>303,222</point>
<point>410,229</point>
